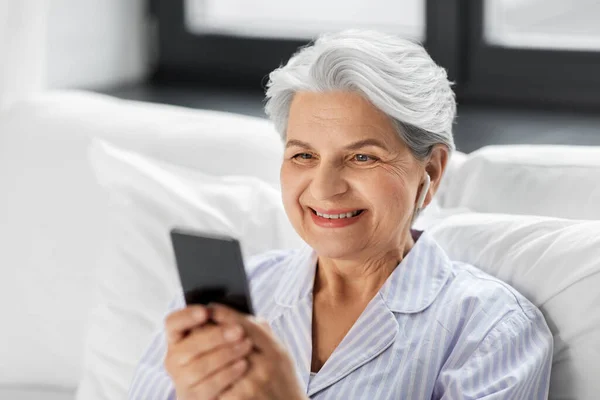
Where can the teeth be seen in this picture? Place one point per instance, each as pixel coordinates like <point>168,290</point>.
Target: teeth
<point>338,216</point>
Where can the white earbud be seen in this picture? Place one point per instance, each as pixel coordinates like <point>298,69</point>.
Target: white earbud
<point>422,196</point>
<point>424,191</point>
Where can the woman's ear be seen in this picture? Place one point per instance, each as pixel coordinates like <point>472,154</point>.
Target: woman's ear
<point>435,167</point>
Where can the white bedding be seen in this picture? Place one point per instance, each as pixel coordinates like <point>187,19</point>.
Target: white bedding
<point>35,393</point>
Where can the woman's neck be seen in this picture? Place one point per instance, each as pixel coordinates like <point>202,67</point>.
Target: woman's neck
<point>358,280</point>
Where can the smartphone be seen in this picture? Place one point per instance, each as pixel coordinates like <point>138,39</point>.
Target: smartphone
<point>211,269</point>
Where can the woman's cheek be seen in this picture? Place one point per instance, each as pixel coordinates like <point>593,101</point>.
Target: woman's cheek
<point>290,193</point>
<point>286,178</point>
<point>386,187</point>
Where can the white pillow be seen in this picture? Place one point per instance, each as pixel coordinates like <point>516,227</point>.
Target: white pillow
<point>454,164</point>
<point>555,263</point>
<point>138,278</point>
<point>53,213</point>
<point>554,181</point>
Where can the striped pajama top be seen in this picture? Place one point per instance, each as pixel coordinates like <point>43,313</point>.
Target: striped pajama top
<point>437,329</point>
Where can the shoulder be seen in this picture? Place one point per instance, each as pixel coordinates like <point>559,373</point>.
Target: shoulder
<point>466,290</point>
<point>487,293</point>
<point>487,308</point>
<point>496,338</point>
<point>265,272</point>
<point>268,265</point>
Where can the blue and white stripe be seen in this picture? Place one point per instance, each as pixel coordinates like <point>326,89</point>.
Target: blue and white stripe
<point>437,329</point>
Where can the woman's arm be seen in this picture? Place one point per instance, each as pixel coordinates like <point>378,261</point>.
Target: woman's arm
<point>511,362</point>
<point>150,380</point>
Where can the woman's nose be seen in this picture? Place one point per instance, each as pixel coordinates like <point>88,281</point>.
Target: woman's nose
<point>327,182</point>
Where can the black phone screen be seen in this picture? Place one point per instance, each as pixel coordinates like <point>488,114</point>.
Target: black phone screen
<point>211,269</point>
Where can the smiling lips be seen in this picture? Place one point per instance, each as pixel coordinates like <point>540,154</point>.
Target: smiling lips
<point>335,218</point>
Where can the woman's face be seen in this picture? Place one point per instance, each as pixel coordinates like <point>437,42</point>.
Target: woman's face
<point>343,156</point>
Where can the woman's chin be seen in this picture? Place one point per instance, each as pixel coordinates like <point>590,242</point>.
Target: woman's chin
<point>334,249</point>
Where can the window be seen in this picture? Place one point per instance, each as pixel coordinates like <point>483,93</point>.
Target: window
<point>304,19</point>
<point>543,24</point>
<point>535,52</point>
<point>238,42</point>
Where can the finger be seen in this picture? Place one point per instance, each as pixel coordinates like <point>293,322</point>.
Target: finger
<point>213,362</point>
<point>242,389</point>
<point>207,339</point>
<point>178,323</point>
<point>215,384</point>
<point>246,387</point>
<point>222,314</point>
<point>256,329</point>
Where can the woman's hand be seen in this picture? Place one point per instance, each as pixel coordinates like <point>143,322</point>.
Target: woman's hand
<point>271,373</point>
<point>204,359</point>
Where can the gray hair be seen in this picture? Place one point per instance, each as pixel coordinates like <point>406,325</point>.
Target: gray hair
<point>396,75</point>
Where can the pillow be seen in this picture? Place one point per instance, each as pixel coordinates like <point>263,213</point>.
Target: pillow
<point>456,161</point>
<point>53,213</point>
<point>555,263</point>
<point>554,181</point>
<point>137,278</point>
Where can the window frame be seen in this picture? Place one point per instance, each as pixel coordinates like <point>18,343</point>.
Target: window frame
<point>543,77</point>
<point>482,72</point>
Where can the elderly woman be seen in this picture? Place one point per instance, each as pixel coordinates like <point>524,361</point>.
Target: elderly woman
<point>369,309</point>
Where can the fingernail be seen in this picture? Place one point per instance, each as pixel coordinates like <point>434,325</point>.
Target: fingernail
<point>233,333</point>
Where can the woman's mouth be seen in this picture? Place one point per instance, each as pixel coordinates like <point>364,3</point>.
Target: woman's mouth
<point>337,219</point>
<point>338,216</point>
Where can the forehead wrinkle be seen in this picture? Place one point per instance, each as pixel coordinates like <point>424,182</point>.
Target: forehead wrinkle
<point>329,117</point>
<point>331,113</point>
<point>364,129</point>
<point>349,108</point>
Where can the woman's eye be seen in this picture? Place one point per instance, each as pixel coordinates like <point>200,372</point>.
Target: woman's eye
<point>303,156</point>
<point>363,158</point>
